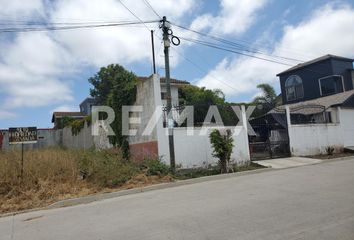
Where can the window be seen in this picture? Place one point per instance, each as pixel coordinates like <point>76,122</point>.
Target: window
<point>331,85</point>
<point>163,95</point>
<point>293,88</point>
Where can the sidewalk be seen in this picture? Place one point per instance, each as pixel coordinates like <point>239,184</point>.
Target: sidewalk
<point>288,162</point>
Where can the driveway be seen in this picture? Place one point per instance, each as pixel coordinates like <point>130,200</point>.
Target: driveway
<point>307,202</point>
<point>288,162</point>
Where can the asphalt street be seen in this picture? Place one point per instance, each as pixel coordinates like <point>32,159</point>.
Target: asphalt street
<point>306,202</point>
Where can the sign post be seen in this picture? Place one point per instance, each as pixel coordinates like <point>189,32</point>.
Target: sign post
<point>25,135</point>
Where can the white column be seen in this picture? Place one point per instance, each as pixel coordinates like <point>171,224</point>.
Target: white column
<point>245,126</point>
<point>288,123</point>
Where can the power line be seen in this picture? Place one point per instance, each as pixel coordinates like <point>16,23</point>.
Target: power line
<point>233,51</point>
<point>254,50</point>
<point>233,48</point>
<point>149,6</point>
<point>55,28</point>
<point>133,14</point>
<point>202,70</point>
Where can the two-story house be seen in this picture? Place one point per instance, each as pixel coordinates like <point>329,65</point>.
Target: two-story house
<point>317,78</point>
<point>315,89</point>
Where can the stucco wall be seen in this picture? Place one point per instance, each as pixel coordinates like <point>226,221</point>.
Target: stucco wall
<point>312,139</point>
<point>347,123</point>
<point>148,93</point>
<point>196,151</point>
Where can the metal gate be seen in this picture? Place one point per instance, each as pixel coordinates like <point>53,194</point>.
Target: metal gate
<point>270,140</point>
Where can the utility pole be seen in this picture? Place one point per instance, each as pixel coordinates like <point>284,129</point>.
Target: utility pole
<point>166,32</point>
<point>153,52</point>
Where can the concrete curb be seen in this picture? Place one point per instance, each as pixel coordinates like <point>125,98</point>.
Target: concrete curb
<point>103,196</point>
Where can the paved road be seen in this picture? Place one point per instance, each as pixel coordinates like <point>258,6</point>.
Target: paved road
<point>308,202</point>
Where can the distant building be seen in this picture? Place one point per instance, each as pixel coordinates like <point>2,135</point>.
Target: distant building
<point>86,105</point>
<point>175,85</point>
<point>58,118</point>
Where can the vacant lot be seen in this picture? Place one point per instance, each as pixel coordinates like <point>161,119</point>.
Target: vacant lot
<point>54,174</point>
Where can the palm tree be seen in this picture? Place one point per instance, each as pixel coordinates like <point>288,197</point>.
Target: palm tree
<point>269,99</point>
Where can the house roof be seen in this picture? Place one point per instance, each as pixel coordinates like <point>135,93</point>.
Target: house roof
<point>88,99</point>
<point>314,106</point>
<point>67,114</point>
<point>163,80</point>
<point>316,60</point>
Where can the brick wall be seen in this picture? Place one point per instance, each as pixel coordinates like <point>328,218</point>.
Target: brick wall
<point>139,151</point>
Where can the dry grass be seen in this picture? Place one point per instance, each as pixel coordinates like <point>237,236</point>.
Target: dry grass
<point>55,174</point>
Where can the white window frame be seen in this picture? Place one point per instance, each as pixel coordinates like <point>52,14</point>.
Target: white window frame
<point>319,82</point>
<point>294,86</point>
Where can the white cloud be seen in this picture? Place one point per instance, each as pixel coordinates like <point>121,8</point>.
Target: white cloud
<point>30,69</point>
<point>65,108</point>
<point>6,114</point>
<point>36,67</point>
<point>235,17</point>
<point>328,30</point>
<point>19,9</point>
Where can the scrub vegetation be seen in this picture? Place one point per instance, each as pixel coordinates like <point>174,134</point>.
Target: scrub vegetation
<point>55,174</point>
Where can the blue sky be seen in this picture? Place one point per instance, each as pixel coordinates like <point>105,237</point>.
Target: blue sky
<point>41,72</point>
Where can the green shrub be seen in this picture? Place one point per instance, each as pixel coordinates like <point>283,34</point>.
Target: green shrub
<point>222,144</point>
<point>155,167</point>
<point>106,168</point>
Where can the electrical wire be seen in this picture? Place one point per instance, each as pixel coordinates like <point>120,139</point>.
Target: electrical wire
<point>232,51</point>
<point>134,14</point>
<point>149,6</point>
<point>246,48</point>
<point>55,28</point>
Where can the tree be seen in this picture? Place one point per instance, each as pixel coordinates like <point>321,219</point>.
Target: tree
<point>114,86</point>
<point>222,148</point>
<point>202,98</point>
<point>268,99</point>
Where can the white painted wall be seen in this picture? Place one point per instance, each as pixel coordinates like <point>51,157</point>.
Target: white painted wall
<point>312,139</point>
<point>347,122</point>
<point>195,150</point>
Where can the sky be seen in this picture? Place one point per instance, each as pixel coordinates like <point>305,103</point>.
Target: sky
<point>46,71</point>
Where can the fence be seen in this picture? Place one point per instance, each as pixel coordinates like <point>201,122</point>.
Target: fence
<point>196,151</point>
<point>314,137</point>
